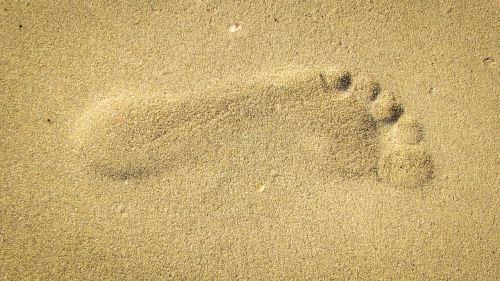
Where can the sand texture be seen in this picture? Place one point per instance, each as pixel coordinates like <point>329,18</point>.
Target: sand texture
<point>249,140</point>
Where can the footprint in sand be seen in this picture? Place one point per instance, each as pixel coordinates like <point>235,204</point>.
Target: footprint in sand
<point>314,121</point>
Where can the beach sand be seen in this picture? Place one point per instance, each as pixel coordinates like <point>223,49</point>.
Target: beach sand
<point>249,140</point>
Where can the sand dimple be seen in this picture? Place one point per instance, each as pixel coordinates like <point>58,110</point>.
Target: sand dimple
<point>319,123</point>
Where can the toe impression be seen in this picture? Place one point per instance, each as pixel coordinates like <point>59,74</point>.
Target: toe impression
<point>406,166</point>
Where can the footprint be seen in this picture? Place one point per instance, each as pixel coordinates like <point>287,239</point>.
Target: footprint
<point>312,120</point>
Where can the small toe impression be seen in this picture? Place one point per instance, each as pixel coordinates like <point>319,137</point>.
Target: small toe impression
<point>344,82</point>
<point>386,108</point>
<point>340,83</point>
<point>407,167</point>
<point>406,131</point>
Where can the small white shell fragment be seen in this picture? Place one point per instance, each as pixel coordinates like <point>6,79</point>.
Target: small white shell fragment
<point>234,27</point>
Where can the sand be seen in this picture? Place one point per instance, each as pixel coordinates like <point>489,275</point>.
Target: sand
<point>207,140</point>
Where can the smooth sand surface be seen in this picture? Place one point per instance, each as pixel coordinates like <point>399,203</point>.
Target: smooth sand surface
<point>249,140</point>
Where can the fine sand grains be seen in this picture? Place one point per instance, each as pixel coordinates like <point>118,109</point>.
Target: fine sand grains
<point>312,121</point>
<point>247,140</point>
